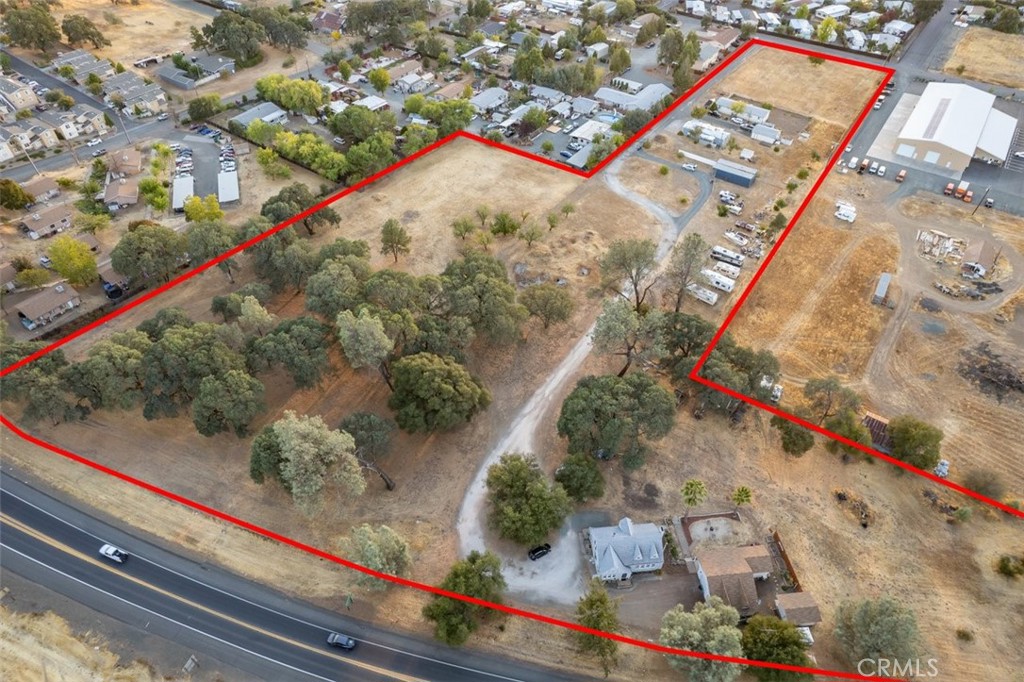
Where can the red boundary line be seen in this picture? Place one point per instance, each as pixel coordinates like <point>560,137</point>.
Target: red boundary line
<point>436,590</point>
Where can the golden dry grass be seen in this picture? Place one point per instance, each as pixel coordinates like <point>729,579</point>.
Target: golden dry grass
<point>989,56</point>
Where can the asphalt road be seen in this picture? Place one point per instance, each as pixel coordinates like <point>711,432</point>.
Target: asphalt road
<point>219,615</point>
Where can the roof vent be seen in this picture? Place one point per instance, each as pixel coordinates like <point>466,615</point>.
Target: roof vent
<point>59,288</point>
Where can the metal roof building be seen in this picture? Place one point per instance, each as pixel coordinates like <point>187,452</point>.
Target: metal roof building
<point>735,173</point>
<point>954,123</point>
<point>227,187</point>
<point>182,189</point>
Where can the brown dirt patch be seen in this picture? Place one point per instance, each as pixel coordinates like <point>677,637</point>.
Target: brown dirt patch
<point>988,56</point>
<point>674,190</point>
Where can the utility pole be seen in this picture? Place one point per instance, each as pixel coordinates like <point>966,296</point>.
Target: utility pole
<point>27,155</point>
<point>982,200</point>
<point>124,127</point>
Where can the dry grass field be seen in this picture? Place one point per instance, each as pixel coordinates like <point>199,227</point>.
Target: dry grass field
<point>40,647</point>
<point>988,56</point>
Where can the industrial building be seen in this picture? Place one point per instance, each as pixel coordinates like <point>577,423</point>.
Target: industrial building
<point>954,123</point>
<point>735,173</point>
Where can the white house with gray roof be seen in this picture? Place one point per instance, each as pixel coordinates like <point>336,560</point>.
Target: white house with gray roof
<point>489,100</point>
<point>617,552</point>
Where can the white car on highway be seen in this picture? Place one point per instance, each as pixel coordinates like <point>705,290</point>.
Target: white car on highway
<point>113,553</point>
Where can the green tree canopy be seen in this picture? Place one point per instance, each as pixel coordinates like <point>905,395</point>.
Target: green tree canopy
<point>766,638</point>
<point>12,196</point>
<point>876,629</point>
<point>632,261</point>
<point>394,239</point>
<point>478,288</point>
<point>73,259</point>
<point>598,611</point>
<point>609,415</point>
<point>380,549</point>
<point>434,393</point>
<point>550,302</point>
<point>524,507</point>
<point>306,456</point>
<point>80,29</point>
<point>299,345</point>
<point>227,402</point>
<point>709,628</point>
<point>31,26</point>
<point>581,477</point>
<point>915,442</point>
<point>150,251</point>
<point>479,576</point>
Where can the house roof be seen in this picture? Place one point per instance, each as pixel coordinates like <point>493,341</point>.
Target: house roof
<point>263,111</point>
<point>45,217</point>
<point>583,105</point>
<point>951,114</point>
<point>40,186</point>
<point>7,273</point>
<point>332,21</point>
<point>46,301</point>
<point>878,427</point>
<point>800,607</point>
<point>730,572</point>
<point>997,135</point>
<point>371,102</point>
<point>588,130</point>
<point>89,240</point>
<point>127,161</point>
<point>123,191</point>
<point>406,67</point>
<point>489,98</point>
<point>980,252</point>
<point>626,545</point>
<point>546,93</point>
<point>109,275</point>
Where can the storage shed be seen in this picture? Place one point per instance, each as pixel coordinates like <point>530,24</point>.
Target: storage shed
<point>882,290</point>
<point>735,173</point>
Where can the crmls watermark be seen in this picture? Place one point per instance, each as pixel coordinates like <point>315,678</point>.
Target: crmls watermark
<point>912,668</point>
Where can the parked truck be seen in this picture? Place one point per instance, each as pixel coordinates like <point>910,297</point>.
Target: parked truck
<point>961,190</point>
<point>969,196</point>
<point>949,190</point>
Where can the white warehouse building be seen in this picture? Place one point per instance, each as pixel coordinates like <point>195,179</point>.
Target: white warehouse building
<point>954,123</point>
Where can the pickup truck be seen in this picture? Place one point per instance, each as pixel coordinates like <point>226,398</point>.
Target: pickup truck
<point>949,189</point>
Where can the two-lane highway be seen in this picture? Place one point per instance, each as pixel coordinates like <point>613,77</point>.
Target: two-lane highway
<point>263,633</point>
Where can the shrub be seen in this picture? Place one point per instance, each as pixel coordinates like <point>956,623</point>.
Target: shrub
<point>964,635</point>
<point>663,170</point>
<point>1010,566</point>
<point>803,173</point>
<point>722,211</point>
<point>985,482</point>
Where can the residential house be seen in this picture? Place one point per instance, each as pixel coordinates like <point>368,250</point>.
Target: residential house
<point>799,608</point>
<point>862,19</point>
<point>744,17</point>
<point>7,148</point>
<point>567,6</point>
<point>708,56</point>
<point>43,189</point>
<point>134,95</point>
<point>730,573</point>
<point>749,112</point>
<point>78,121</point>
<point>62,122</point>
<point>632,87</point>
<point>836,12</point>
<point>488,100</point>
<point>8,275</point>
<point>766,133</point>
<point>211,67</point>
<point>109,275</point>
<point>89,240</point>
<point>706,133</point>
<point>973,13</point>
<point>801,28</point>
<point>617,552</point>
<point>327,21</point>
<point>121,193</point>
<point>451,91</point>
<point>887,40</point>
<point>31,134</point>
<point>587,131</point>
<point>793,6</point>
<point>771,21</point>
<point>978,260</point>
<point>125,162</point>
<point>547,95</point>
<point>46,222</point>
<point>598,51</point>
<point>403,69</point>
<point>644,100</point>
<point>762,4</point>
<point>898,28</point>
<point>268,112</point>
<point>83,64</point>
<point>855,39</point>
<point>492,28</point>
<point>901,7</point>
<point>696,7</point>
<point>878,427</point>
<point>561,110</point>
<point>606,6</point>
<point>583,106</point>
<point>724,37</point>
<point>414,82</point>
<point>46,306</point>
<point>511,8</point>
<point>373,103</point>
<point>722,14</point>
<point>17,95</point>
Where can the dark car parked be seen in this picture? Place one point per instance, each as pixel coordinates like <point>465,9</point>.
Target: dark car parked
<point>539,551</point>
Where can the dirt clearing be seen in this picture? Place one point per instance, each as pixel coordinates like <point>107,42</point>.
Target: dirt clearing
<point>988,56</point>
